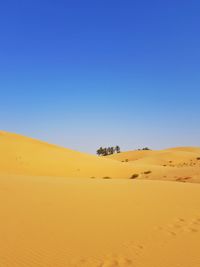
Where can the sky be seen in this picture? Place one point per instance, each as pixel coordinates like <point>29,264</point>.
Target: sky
<point>85,74</point>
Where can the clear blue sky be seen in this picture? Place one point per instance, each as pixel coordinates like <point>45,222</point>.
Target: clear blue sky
<point>88,73</point>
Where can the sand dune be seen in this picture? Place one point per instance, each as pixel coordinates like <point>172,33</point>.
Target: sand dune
<point>186,149</point>
<point>98,223</point>
<point>132,155</point>
<point>50,219</point>
<point>178,154</point>
<point>26,156</point>
<point>179,164</point>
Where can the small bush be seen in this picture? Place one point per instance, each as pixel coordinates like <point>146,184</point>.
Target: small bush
<point>198,158</point>
<point>106,177</point>
<point>92,177</point>
<point>126,160</point>
<point>135,175</point>
<point>147,172</point>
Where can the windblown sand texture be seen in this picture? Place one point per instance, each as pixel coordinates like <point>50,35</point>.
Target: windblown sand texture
<point>56,210</point>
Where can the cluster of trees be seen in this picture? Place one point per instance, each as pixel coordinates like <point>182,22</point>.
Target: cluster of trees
<point>105,151</point>
<point>108,150</point>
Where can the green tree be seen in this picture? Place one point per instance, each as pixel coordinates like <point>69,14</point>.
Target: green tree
<point>117,149</point>
<point>112,150</point>
<point>105,151</point>
<point>100,151</point>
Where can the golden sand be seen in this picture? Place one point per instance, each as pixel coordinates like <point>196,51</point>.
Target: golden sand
<point>51,221</point>
<point>176,164</point>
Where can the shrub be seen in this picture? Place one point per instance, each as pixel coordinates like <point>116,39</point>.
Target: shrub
<point>147,172</point>
<point>135,175</point>
<point>106,177</point>
<point>144,148</point>
<point>198,158</point>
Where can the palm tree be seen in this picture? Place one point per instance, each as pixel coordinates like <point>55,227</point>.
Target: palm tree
<point>100,151</point>
<point>117,149</point>
<point>112,150</point>
<point>105,151</point>
<point>109,150</point>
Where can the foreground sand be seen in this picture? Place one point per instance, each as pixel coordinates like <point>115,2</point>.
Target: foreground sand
<point>59,222</point>
<point>50,220</point>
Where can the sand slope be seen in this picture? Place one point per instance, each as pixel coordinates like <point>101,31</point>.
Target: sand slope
<point>51,221</point>
<point>179,164</point>
<point>98,223</point>
<point>26,156</point>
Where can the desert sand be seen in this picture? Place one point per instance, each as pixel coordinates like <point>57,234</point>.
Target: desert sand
<point>174,164</point>
<point>27,156</point>
<point>58,211</point>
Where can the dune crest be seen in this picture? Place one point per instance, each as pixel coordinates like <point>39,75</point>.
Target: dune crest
<point>26,156</point>
<point>48,218</point>
<point>176,164</point>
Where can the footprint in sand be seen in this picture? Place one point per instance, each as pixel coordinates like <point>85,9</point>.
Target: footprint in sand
<point>192,230</point>
<point>196,221</point>
<point>78,262</point>
<point>110,263</point>
<point>117,261</point>
<point>180,225</point>
<point>121,262</point>
<point>193,226</point>
<point>134,248</point>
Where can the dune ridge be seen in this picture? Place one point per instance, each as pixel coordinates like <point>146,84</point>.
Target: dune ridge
<point>26,156</point>
<point>50,219</point>
<point>174,164</point>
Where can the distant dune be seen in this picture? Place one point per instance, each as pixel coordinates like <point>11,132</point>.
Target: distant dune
<point>52,214</point>
<point>26,156</point>
<point>176,164</point>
